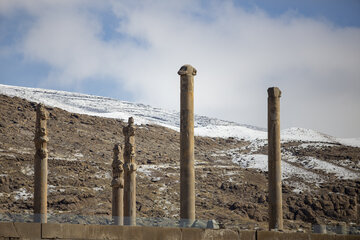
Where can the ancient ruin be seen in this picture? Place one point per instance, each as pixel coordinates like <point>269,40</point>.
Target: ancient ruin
<point>117,185</point>
<point>130,174</point>
<point>158,196</point>
<point>187,172</point>
<point>274,160</point>
<point>40,165</point>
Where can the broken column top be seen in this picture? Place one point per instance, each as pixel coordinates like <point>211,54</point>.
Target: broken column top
<point>117,153</point>
<point>131,121</point>
<point>117,166</point>
<point>187,70</point>
<point>40,110</point>
<point>274,92</point>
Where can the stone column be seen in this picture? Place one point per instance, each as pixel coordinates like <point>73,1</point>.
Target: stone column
<point>40,165</point>
<point>117,185</point>
<point>320,228</point>
<point>341,229</point>
<point>274,160</point>
<point>187,173</point>
<point>130,174</point>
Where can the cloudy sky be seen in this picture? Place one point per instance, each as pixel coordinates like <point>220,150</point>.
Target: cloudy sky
<point>131,50</point>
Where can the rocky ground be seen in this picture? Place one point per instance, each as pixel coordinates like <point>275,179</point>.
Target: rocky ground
<point>80,156</point>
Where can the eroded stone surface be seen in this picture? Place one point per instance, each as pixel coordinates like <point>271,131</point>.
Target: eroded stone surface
<point>130,174</point>
<point>117,185</point>
<point>40,165</point>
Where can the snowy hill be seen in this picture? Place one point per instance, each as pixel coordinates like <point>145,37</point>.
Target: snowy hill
<point>313,164</point>
<point>144,114</point>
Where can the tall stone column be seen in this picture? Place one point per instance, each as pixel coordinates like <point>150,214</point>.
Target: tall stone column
<point>274,160</point>
<point>117,185</point>
<point>130,174</point>
<point>187,172</point>
<point>40,165</point>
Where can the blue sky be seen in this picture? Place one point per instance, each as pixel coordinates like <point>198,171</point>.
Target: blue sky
<point>131,50</point>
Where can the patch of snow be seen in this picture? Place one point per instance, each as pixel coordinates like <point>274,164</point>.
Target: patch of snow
<point>63,159</point>
<point>306,135</point>
<point>148,169</point>
<point>239,132</point>
<point>316,145</point>
<point>257,161</point>
<point>155,179</point>
<point>162,188</point>
<point>350,164</point>
<point>313,163</point>
<point>78,155</point>
<point>353,142</point>
<point>105,175</point>
<point>27,170</point>
<point>23,194</point>
<point>51,188</point>
<point>10,155</point>
<point>260,162</point>
<point>98,189</point>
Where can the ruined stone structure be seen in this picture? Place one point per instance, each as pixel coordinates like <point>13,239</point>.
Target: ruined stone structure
<point>187,172</point>
<point>130,174</point>
<point>320,228</point>
<point>40,165</point>
<point>117,185</point>
<point>274,160</point>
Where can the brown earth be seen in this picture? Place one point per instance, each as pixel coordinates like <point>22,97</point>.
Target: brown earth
<point>80,156</point>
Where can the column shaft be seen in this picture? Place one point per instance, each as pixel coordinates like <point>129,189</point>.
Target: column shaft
<point>274,160</point>
<point>118,187</point>
<point>187,172</point>
<point>40,166</point>
<point>129,174</point>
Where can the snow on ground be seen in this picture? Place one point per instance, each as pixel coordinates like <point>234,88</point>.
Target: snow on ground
<point>23,194</point>
<point>354,142</point>
<point>27,170</point>
<point>260,162</point>
<point>148,169</point>
<point>305,169</point>
<point>144,114</point>
<point>330,168</point>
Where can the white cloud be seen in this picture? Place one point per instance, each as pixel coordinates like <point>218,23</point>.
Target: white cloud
<point>238,55</point>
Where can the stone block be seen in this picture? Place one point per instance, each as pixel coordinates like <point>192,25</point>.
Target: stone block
<point>315,236</point>
<point>28,230</point>
<point>61,231</point>
<point>223,234</point>
<point>247,235</point>
<point>7,229</point>
<point>20,230</point>
<point>272,235</point>
<point>192,234</point>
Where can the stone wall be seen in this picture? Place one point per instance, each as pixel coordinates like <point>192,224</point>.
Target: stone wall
<point>78,231</point>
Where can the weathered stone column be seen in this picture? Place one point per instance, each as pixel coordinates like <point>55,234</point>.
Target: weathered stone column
<point>274,160</point>
<point>130,174</point>
<point>320,228</point>
<point>187,173</point>
<point>117,185</point>
<point>341,228</point>
<point>40,165</point>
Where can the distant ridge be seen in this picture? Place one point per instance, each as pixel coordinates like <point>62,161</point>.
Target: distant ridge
<point>145,114</point>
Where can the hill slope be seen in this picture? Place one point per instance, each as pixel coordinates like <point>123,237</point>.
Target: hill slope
<point>321,178</point>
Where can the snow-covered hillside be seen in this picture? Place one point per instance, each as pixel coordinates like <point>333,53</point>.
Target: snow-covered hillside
<point>145,114</point>
<point>303,170</point>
